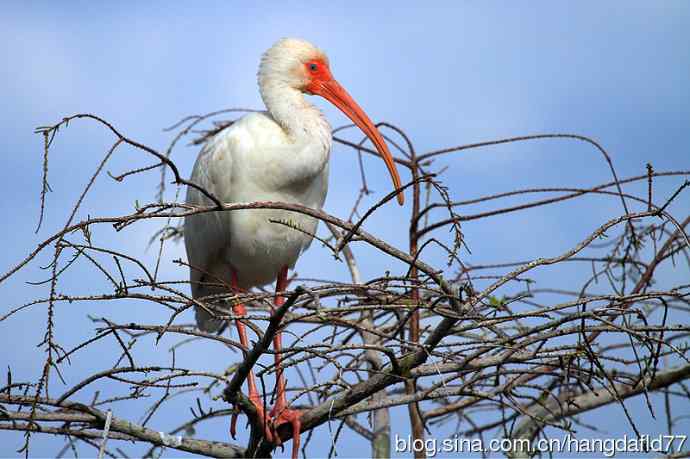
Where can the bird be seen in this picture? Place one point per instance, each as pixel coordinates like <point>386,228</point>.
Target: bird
<point>281,154</point>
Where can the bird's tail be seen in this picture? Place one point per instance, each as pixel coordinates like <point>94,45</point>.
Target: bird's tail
<point>201,291</point>
<point>208,322</point>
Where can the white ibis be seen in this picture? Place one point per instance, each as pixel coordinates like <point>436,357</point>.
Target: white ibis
<point>278,155</point>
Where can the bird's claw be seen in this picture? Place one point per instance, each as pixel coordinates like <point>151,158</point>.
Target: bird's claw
<point>277,417</point>
<point>233,425</point>
<point>266,423</point>
<point>287,416</point>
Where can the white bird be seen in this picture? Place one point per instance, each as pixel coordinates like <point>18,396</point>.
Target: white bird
<point>278,155</point>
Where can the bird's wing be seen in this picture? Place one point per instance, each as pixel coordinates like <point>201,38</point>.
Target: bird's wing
<point>205,236</point>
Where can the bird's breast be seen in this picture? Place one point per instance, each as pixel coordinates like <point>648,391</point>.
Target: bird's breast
<point>263,163</point>
<point>262,241</point>
<point>265,240</point>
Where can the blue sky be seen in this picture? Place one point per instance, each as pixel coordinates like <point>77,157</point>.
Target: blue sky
<point>452,73</point>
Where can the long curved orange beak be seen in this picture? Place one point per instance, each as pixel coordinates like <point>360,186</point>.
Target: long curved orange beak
<point>336,94</point>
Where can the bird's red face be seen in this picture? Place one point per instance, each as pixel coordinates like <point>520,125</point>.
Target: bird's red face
<point>317,71</point>
<point>320,82</point>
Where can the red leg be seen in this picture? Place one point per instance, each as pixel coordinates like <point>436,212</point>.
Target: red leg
<point>240,311</point>
<point>281,412</point>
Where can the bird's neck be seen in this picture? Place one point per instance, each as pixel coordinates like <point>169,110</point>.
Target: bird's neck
<point>294,113</point>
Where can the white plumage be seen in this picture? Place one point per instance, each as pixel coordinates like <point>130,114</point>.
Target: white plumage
<point>254,159</point>
<point>278,155</point>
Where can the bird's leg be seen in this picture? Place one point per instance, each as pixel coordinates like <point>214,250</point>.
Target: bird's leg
<point>240,311</point>
<point>281,412</point>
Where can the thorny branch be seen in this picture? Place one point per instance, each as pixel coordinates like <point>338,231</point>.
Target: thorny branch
<point>499,348</point>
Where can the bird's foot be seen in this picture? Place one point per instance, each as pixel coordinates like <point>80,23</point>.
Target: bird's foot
<point>265,422</point>
<point>286,415</point>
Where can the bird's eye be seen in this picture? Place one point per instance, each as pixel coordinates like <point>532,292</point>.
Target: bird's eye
<point>313,67</point>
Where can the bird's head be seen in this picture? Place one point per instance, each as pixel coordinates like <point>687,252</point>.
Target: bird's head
<point>299,65</point>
